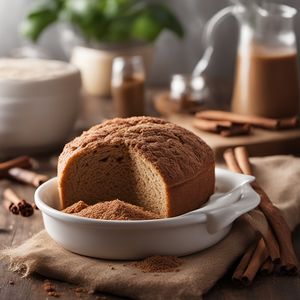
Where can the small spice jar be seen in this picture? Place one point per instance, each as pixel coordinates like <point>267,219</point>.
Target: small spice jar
<point>185,88</point>
<point>128,82</point>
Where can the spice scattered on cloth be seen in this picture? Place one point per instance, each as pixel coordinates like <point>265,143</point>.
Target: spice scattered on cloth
<point>159,264</point>
<point>110,210</point>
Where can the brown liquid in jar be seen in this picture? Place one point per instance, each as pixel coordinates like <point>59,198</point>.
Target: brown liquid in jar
<point>266,84</point>
<point>128,97</point>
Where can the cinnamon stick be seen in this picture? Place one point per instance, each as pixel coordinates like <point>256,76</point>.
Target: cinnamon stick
<point>224,128</point>
<point>231,161</point>
<point>258,258</point>
<point>267,235</point>
<point>267,268</point>
<point>267,123</point>
<point>19,162</point>
<point>289,122</point>
<point>272,246</point>
<point>24,207</point>
<point>237,118</point>
<point>236,130</point>
<point>27,176</point>
<point>242,159</point>
<point>11,207</point>
<point>283,233</point>
<point>211,125</point>
<point>244,262</point>
<point>238,161</point>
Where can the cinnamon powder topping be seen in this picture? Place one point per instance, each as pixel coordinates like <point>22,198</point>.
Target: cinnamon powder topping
<point>111,210</point>
<point>159,264</point>
<point>75,208</point>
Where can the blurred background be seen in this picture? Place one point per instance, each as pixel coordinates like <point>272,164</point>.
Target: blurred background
<point>192,13</point>
<point>167,39</point>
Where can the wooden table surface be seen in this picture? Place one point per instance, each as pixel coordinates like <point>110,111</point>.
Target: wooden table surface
<point>20,229</point>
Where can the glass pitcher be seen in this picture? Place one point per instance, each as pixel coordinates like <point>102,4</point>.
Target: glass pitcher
<point>266,79</point>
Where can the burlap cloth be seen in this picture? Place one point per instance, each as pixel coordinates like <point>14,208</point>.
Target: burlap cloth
<point>278,175</point>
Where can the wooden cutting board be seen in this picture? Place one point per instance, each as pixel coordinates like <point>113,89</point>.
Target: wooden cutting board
<point>260,142</point>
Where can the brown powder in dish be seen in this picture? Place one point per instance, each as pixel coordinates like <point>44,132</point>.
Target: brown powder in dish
<point>76,207</point>
<point>116,210</point>
<point>111,210</point>
<point>159,264</point>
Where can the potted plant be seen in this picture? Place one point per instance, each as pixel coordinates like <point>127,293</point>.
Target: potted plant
<point>101,30</point>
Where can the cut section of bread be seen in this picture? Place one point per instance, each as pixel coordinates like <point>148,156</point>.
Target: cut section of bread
<point>145,161</point>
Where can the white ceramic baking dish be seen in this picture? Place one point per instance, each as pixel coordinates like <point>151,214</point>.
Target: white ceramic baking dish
<point>126,240</point>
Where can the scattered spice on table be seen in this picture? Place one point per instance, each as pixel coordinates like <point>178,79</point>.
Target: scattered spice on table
<point>79,291</point>
<point>159,264</point>
<point>49,287</point>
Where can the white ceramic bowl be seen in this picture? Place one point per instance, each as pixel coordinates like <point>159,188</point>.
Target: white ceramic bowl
<point>182,235</point>
<point>39,104</point>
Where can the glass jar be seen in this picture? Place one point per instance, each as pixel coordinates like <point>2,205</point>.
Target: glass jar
<point>128,86</point>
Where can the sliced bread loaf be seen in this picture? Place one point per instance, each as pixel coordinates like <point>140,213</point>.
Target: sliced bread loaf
<point>141,160</point>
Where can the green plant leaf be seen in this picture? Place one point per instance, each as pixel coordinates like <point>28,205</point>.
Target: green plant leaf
<point>81,9</point>
<point>163,16</point>
<point>144,28</point>
<point>118,31</point>
<point>104,20</point>
<point>115,8</point>
<point>35,24</point>
<point>151,20</point>
<point>85,16</point>
<point>40,17</point>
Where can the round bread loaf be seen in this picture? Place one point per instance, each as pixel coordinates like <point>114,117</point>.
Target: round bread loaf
<point>145,161</point>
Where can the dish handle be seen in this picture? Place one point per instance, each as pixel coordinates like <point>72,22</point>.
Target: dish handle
<point>220,218</point>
